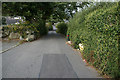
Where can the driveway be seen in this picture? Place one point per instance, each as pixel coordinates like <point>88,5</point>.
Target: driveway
<point>48,57</point>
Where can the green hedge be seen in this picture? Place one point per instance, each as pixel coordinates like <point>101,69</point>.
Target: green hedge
<point>62,28</point>
<point>97,29</point>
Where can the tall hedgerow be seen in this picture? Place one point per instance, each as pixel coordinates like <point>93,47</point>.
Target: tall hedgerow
<point>97,29</point>
<point>61,28</point>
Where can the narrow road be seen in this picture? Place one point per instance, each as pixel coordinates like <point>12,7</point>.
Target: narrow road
<point>48,57</point>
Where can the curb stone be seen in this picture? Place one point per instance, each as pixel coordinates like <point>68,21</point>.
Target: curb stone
<point>1,52</point>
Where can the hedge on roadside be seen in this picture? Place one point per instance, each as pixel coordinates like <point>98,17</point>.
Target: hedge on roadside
<point>62,28</point>
<point>97,29</point>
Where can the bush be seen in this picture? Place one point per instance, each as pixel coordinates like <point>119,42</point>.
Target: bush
<point>97,29</point>
<point>5,32</point>
<point>3,21</point>
<point>62,28</point>
<point>49,26</point>
<point>38,28</point>
<point>42,28</point>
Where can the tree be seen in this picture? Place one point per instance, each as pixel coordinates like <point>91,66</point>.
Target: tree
<point>64,10</point>
<point>41,10</point>
<point>3,20</point>
<point>29,10</point>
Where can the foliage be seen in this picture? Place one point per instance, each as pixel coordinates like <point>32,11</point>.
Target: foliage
<point>40,12</point>
<point>49,26</point>
<point>97,29</point>
<point>61,28</point>
<point>64,10</point>
<point>38,29</point>
<point>3,21</point>
<point>33,11</point>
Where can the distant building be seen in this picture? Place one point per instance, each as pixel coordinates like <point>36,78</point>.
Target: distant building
<point>13,20</point>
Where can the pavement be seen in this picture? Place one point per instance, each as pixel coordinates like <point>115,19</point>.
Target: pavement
<point>48,57</point>
<point>0,66</point>
<point>7,45</point>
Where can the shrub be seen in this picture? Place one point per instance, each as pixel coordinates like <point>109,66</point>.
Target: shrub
<point>104,27</point>
<point>42,28</point>
<point>97,29</point>
<point>3,21</point>
<point>49,26</point>
<point>38,28</point>
<point>62,28</point>
<point>5,32</point>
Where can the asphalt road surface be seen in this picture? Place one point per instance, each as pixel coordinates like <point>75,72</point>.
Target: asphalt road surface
<point>48,57</point>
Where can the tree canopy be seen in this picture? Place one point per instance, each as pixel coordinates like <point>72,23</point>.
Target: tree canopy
<point>34,11</point>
